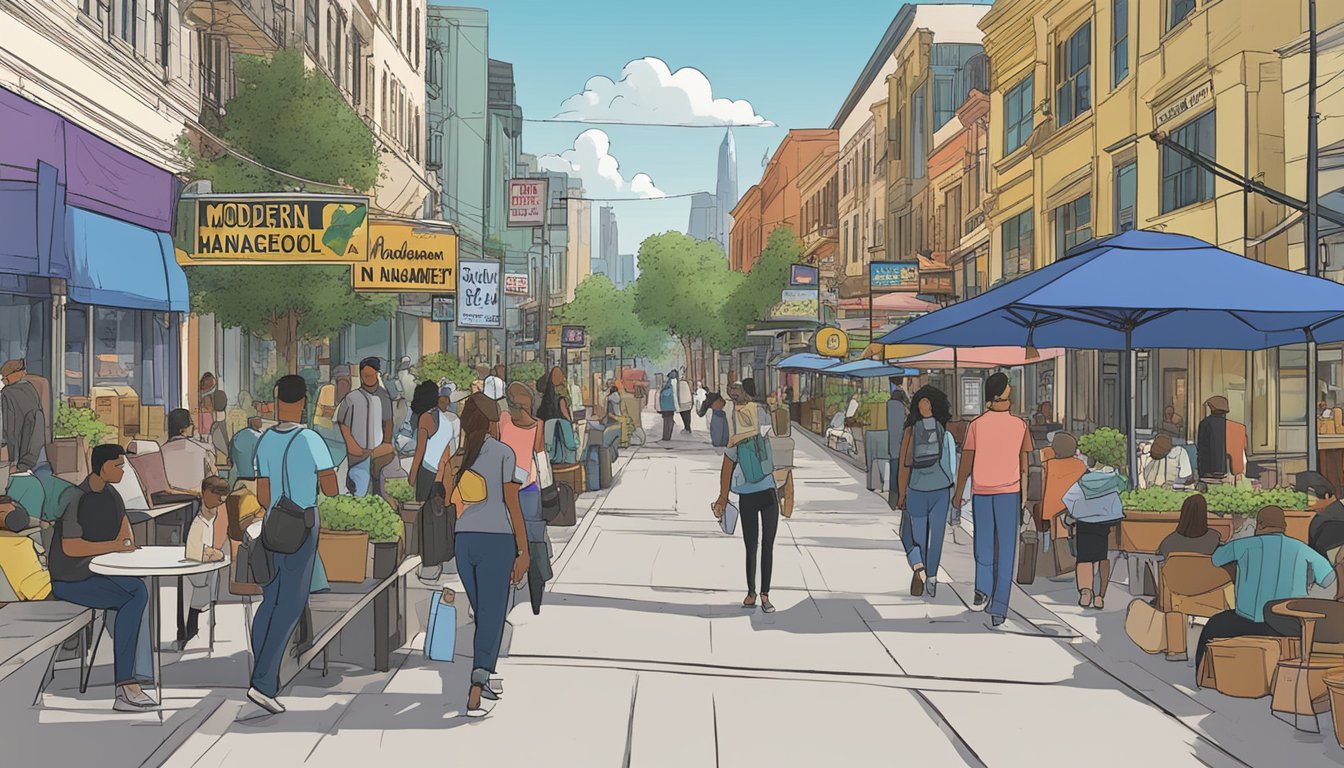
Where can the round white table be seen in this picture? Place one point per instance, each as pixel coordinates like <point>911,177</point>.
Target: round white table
<point>153,563</point>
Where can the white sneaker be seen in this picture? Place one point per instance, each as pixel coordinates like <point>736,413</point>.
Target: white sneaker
<point>138,703</point>
<point>265,702</point>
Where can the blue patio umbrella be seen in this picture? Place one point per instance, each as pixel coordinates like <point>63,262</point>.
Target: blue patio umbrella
<point>1142,290</point>
<point>869,369</point>
<point>806,361</point>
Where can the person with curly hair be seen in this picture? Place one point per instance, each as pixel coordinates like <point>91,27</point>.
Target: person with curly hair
<point>928,470</point>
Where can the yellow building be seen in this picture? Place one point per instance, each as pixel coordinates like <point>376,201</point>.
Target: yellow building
<point>1078,90</point>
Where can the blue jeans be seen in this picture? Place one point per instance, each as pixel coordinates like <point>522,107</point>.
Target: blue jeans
<point>282,604</point>
<point>925,527</point>
<point>358,476</point>
<point>485,563</point>
<point>996,520</point>
<point>129,597</point>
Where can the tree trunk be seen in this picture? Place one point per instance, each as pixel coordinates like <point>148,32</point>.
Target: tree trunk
<point>285,332</point>
<point>690,357</point>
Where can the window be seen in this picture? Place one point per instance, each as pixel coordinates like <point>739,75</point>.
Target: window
<point>844,177</point>
<point>1073,75</point>
<point>1018,245</point>
<point>1293,385</point>
<point>76,349</point>
<point>943,97</point>
<point>416,39</point>
<point>1126,194</point>
<point>1119,41</point>
<point>970,277</point>
<point>867,164</point>
<point>1073,225</point>
<point>894,135</point>
<point>918,141</point>
<point>128,21</point>
<point>95,9</point>
<point>161,25</point>
<point>331,39</point>
<point>356,71</point>
<point>311,26</point>
<point>435,151</point>
<point>844,243</point>
<point>382,103</point>
<point>1019,113</point>
<point>338,63</point>
<point>1177,10</point>
<point>1183,182</point>
<point>952,218</point>
<point>432,71</point>
<point>212,69</point>
<point>397,24</point>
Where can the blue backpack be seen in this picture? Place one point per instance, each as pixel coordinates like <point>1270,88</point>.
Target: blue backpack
<point>755,459</point>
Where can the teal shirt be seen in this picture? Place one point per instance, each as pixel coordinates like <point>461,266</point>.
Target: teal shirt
<point>1271,567</point>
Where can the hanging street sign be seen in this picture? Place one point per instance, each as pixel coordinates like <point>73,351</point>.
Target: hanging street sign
<point>272,229</point>
<point>527,202</point>
<point>408,257</point>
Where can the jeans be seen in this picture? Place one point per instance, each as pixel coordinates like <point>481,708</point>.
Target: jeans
<point>485,564</point>
<point>359,476</point>
<point>669,422</point>
<point>995,518</point>
<point>686,419</point>
<point>282,603</point>
<point>129,597</point>
<point>759,516</point>
<point>924,527</point>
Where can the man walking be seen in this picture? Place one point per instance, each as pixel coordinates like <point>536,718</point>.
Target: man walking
<point>994,454</point>
<point>25,423</point>
<point>365,416</point>
<point>293,463</point>
<point>897,411</point>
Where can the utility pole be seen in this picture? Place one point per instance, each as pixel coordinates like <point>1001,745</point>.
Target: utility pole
<point>1311,239</point>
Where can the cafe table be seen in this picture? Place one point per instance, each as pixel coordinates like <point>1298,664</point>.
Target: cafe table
<point>153,563</point>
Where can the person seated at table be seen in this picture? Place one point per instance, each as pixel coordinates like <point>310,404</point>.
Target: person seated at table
<point>1172,422</point>
<point>186,462</point>
<point>1192,532</point>
<point>206,539</point>
<point>1270,566</point>
<point>837,431</point>
<point>1325,534</point>
<point>19,564</point>
<point>94,523</point>
<point>1164,465</point>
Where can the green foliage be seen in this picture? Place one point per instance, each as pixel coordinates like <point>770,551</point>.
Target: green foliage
<point>399,489</point>
<point>440,365</point>
<point>610,317</point>
<point>263,388</point>
<point>752,298</point>
<point>1105,446</point>
<point>875,397</point>
<point>682,288</point>
<point>527,373</point>
<point>1224,499</point>
<point>371,514</point>
<point>80,422</point>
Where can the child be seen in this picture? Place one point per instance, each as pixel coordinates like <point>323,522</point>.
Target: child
<point>205,544</point>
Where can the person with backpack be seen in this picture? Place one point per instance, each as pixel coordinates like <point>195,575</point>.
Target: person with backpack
<point>927,473</point>
<point>748,470</point>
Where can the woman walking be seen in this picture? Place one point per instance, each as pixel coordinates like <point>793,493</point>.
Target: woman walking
<point>491,540</point>
<point>438,434</point>
<point>928,472</point>
<point>520,431</point>
<point>747,471</point>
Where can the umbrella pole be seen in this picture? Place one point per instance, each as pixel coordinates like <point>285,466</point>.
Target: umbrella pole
<point>956,386</point>
<point>1131,423</point>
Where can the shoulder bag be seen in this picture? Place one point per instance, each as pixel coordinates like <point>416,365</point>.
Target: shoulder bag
<point>286,526</point>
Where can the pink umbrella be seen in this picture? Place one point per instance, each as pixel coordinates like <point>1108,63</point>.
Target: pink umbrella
<point>977,357</point>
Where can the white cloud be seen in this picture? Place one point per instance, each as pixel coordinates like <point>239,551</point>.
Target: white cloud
<point>649,92</point>
<point>591,160</point>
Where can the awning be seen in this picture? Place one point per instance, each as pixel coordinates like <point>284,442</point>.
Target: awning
<point>806,361</point>
<point>891,302</point>
<point>869,369</point>
<point>115,264</point>
<point>894,351</point>
<point>978,357</point>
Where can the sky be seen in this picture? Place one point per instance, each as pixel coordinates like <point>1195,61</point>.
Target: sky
<point>792,62</point>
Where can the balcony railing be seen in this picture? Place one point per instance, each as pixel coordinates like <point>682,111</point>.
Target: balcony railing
<point>249,25</point>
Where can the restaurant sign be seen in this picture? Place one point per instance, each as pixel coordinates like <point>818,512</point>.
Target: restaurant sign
<point>893,276</point>
<point>936,282</point>
<point>273,229</point>
<point>408,257</point>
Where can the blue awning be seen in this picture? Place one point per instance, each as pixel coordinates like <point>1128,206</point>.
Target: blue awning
<point>869,369</point>
<point>115,264</point>
<point>806,361</point>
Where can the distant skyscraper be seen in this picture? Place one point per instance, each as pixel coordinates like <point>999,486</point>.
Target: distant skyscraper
<point>609,243</point>
<point>704,223</point>
<point>725,193</point>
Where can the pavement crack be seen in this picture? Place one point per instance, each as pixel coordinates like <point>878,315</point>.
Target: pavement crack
<point>714,709</point>
<point>630,724</point>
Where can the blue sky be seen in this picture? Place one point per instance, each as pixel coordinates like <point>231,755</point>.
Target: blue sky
<point>793,61</point>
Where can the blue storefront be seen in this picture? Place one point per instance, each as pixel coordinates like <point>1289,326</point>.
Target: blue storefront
<point>90,293</point>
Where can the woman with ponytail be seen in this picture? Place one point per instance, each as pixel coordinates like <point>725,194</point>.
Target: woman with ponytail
<point>491,539</point>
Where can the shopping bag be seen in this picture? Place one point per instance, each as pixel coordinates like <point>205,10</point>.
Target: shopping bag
<point>441,635</point>
<point>729,520</point>
<point>1146,626</point>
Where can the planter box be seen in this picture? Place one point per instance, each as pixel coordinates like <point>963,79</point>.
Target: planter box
<point>410,512</point>
<point>345,554</point>
<point>1143,531</point>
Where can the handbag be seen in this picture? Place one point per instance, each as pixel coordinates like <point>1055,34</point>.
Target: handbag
<point>253,564</point>
<point>438,531</point>
<point>559,505</point>
<point>286,526</point>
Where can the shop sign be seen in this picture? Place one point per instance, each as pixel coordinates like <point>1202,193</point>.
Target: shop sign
<point>802,274</point>
<point>573,336</point>
<point>276,229</point>
<point>408,257</point>
<point>527,202</point>
<point>936,282</point>
<point>796,304</point>
<point>443,309</point>
<point>972,395</point>
<point>613,351</point>
<point>893,276</point>
<point>1189,102</point>
<point>831,342</point>
<point>515,284</point>
<point>478,291</point>
<point>553,333</point>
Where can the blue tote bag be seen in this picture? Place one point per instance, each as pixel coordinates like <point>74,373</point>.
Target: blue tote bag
<point>441,636</point>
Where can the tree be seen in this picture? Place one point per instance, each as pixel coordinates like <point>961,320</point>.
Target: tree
<point>760,290</point>
<point>682,287</point>
<point>293,120</point>
<point>610,318</point>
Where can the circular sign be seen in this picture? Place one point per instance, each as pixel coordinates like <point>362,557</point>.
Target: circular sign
<point>831,342</point>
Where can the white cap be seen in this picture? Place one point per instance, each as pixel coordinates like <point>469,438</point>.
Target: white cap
<point>494,388</point>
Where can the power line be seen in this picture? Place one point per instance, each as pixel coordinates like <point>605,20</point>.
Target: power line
<point>632,199</point>
<point>651,125</point>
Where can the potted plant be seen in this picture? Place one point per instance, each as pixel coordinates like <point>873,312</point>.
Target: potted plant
<point>1152,513</point>
<point>401,495</point>
<point>74,433</point>
<point>349,525</point>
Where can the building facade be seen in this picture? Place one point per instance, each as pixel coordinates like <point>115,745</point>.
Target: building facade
<point>704,219</point>
<point>776,201</point>
<point>457,90</point>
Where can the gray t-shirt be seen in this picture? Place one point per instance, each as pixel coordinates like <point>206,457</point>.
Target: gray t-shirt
<point>364,413</point>
<point>496,463</point>
<point>88,515</point>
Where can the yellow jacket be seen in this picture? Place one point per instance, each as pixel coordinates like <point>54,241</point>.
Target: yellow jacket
<point>20,567</point>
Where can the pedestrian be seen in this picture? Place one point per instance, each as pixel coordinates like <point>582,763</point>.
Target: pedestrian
<point>898,411</point>
<point>292,463</point>
<point>438,434</point>
<point>1094,504</point>
<point>25,422</point>
<point>928,471</point>
<point>406,381</point>
<point>994,453</point>
<point>365,418</point>
<point>493,385</point>
<point>684,402</point>
<point>212,408</point>
<point>667,404</point>
<point>243,452</point>
<point>522,432</point>
<point>1220,443</point>
<point>554,396</point>
<point>698,401</point>
<point>491,538</point>
<point>714,405</point>
<point>748,471</point>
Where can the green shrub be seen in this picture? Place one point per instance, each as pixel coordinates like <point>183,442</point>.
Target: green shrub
<point>399,490</point>
<point>1223,499</point>
<point>263,389</point>
<point>1105,446</point>
<point>80,422</point>
<point>440,365</point>
<point>371,514</point>
<point>527,373</point>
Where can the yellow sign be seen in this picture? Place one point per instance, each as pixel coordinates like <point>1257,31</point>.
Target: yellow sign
<point>408,257</point>
<point>553,336</point>
<point>276,229</point>
<point>831,342</point>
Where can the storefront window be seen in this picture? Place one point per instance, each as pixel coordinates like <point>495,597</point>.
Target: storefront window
<point>1293,385</point>
<point>76,350</point>
<point>23,331</point>
<point>114,335</point>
